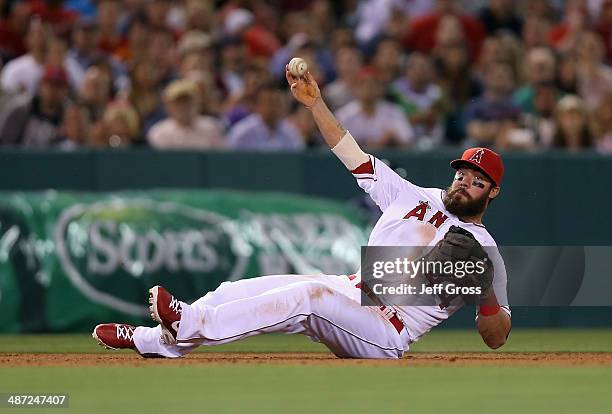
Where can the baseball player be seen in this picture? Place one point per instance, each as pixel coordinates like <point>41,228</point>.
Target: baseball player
<point>327,308</point>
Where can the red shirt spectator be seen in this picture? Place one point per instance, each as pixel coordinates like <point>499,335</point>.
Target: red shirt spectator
<point>259,40</point>
<point>422,34</point>
<point>604,27</point>
<point>563,37</point>
<point>54,13</point>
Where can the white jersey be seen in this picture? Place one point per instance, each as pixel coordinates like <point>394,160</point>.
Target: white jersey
<point>416,216</point>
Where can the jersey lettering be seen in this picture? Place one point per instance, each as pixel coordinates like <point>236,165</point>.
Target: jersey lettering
<point>438,219</point>
<point>419,211</point>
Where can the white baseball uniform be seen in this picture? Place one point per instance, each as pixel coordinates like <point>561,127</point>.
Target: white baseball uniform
<point>326,307</point>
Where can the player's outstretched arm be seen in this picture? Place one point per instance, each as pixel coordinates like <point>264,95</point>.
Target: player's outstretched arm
<point>306,91</point>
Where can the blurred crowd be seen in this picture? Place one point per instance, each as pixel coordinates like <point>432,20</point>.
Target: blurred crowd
<point>199,74</point>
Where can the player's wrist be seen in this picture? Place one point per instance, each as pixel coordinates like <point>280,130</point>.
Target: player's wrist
<point>489,305</point>
<point>316,104</point>
<point>485,310</point>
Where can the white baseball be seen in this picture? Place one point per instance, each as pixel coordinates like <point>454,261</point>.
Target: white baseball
<point>297,66</point>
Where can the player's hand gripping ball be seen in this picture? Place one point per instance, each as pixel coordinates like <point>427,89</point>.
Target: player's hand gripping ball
<point>297,67</point>
<point>304,88</point>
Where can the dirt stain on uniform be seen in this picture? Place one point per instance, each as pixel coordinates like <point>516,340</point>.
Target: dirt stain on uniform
<point>318,292</point>
<point>426,233</point>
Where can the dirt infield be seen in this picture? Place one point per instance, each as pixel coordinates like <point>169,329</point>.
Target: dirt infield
<point>413,359</point>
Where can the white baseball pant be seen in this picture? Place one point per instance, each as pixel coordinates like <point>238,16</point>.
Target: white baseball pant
<point>325,308</point>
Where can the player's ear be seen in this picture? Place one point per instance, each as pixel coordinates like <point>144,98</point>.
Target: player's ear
<point>494,192</point>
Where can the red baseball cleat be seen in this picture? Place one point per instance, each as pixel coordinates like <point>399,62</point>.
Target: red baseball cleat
<point>166,310</point>
<point>114,335</point>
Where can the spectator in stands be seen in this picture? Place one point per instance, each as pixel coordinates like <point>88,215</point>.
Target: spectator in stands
<point>602,124</point>
<point>500,15</point>
<point>421,98</point>
<point>265,128</point>
<point>387,59</point>
<point>55,14</point>
<point>305,39</point>
<point>593,75</point>
<point>542,9</point>
<point>118,128</point>
<point>349,61</point>
<point>301,120</point>
<point>195,53</point>
<point>541,122</point>
<point>374,122</point>
<point>260,41</point>
<point>13,24</point>
<point>567,73</point>
<point>422,34</point>
<point>458,83</point>
<point>185,128</point>
<point>199,15</point>
<point>489,117</point>
<point>564,36</point>
<point>573,132</point>
<point>83,8</point>
<point>135,47</point>
<point>162,51</point>
<point>376,17</point>
<point>84,51</point>
<point>233,63</point>
<point>535,32</point>
<point>209,95</point>
<point>23,73</point>
<point>500,48</point>
<point>604,27</point>
<point>34,121</point>
<point>110,39</point>
<point>238,107</point>
<point>57,55</point>
<point>144,93</point>
<point>230,49</point>
<point>157,12</point>
<point>75,128</point>
<point>539,67</point>
<point>96,91</point>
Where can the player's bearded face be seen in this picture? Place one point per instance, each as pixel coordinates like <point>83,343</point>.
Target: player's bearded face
<point>460,203</point>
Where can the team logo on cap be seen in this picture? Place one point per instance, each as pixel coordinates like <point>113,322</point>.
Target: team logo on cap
<point>477,157</point>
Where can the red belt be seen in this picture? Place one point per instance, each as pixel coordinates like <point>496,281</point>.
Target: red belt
<point>388,313</point>
<point>394,319</point>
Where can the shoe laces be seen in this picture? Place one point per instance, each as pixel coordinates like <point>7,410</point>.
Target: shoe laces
<point>175,305</point>
<point>125,332</point>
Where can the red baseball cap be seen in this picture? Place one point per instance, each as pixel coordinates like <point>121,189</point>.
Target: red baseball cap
<point>368,72</point>
<point>485,160</point>
<point>55,74</point>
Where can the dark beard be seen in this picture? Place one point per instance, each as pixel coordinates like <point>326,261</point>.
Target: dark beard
<point>470,208</point>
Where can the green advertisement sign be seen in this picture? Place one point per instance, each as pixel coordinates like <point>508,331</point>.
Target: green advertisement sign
<point>71,260</point>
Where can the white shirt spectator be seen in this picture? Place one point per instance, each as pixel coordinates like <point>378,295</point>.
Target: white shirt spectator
<point>205,133</point>
<point>422,101</point>
<point>374,14</point>
<point>252,133</point>
<point>21,75</point>
<point>337,94</point>
<point>368,130</point>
